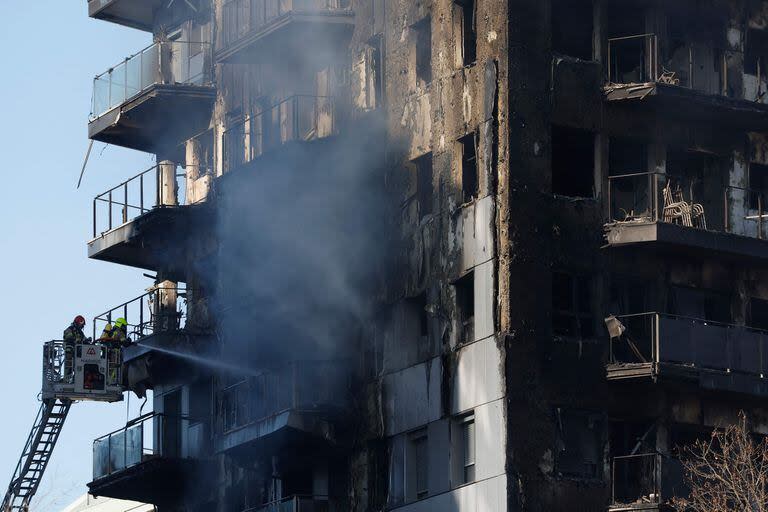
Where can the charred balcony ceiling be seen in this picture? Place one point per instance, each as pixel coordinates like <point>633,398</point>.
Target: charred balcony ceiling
<point>139,14</point>
<point>257,29</point>
<point>142,14</point>
<point>158,240</point>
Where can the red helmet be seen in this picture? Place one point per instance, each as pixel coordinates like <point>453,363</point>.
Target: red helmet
<point>80,320</point>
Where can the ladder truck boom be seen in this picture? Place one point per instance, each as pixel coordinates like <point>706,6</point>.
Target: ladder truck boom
<point>94,373</point>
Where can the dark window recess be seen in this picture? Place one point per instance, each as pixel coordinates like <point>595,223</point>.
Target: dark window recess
<point>572,306</point>
<point>469,179</point>
<point>758,313</point>
<point>755,52</point>
<point>171,425</point>
<point>579,444</point>
<point>572,28</point>
<point>378,481</point>
<point>200,400</point>
<point>417,465</point>
<point>423,166</point>
<point>628,295</point>
<point>758,186</point>
<point>467,9</point>
<point>703,304</point>
<point>377,71</point>
<point>627,156</point>
<point>465,302</point>
<point>423,35</point>
<point>573,162</point>
<point>419,304</point>
<point>628,56</point>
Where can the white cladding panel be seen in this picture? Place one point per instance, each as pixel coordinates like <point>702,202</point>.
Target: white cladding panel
<point>485,496</point>
<point>412,396</point>
<point>478,375</point>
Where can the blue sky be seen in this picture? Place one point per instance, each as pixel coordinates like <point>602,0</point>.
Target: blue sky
<point>51,51</point>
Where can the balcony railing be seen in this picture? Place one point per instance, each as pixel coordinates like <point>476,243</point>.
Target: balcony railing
<point>160,185</point>
<point>297,118</point>
<point>167,62</point>
<point>638,59</point>
<point>635,479</point>
<point>242,17</point>
<point>306,386</point>
<point>658,197</point>
<point>298,504</point>
<point>638,481</point>
<point>147,437</point>
<point>691,342</point>
<point>163,309</point>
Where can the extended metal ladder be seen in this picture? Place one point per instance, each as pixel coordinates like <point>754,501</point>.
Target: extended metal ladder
<point>37,452</point>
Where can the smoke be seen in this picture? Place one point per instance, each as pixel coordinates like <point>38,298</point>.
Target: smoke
<point>303,241</point>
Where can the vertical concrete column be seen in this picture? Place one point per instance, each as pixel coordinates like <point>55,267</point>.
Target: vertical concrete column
<point>168,188</point>
<point>164,306</point>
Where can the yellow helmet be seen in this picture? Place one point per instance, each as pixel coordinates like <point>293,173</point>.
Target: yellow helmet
<point>120,322</point>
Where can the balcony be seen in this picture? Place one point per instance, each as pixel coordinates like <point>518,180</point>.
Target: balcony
<point>666,348</point>
<point>139,14</point>
<point>252,28</point>
<point>295,120</point>
<point>147,220</point>
<point>646,481</point>
<point>299,504</point>
<point>161,336</point>
<point>674,212</point>
<point>156,99</point>
<point>295,405</point>
<point>147,460</point>
<point>682,81</point>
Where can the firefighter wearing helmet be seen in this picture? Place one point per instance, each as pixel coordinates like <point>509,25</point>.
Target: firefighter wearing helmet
<point>73,335</point>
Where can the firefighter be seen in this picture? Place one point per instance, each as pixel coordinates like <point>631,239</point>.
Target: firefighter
<point>73,335</point>
<point>120,332</point>
<point>106,334</point>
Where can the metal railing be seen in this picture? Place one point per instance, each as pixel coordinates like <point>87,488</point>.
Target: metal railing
<point>163,309</point>
<point>304,385</point>
<point>663,338</point>
<point>55,364</point>
<point>659,197</point>
<point>149,436</point>
<point>633,59</point>
<point>635,479</point>
<point>297,504</point>
<point>165,62</point>
<point>160,185</point>
<point>638,59</point>
<point>297,118</point>
<point>242,17</point>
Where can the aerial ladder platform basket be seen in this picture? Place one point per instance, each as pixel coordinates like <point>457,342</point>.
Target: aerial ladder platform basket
<point>89,373</point>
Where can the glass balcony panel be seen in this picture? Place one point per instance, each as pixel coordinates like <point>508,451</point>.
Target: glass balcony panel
<point>101,458</point>
<point>117,451</point>
<point>133,78</point>
<point>101,94</point>
<point>134,445</point>
<point>117,85</point>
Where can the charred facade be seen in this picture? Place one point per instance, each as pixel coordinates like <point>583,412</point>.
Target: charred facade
<point>435,255</point>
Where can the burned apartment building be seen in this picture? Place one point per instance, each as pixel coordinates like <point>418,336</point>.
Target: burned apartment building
<point>434,254</point>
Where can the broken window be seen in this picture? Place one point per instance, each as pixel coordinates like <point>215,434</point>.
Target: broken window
<point>469,179</point>
<point>579,444</point>
<point>628,183</point>
<point>465,304</point>
<point>417,465</point>
<point>573,162</point>
<point>424,192</point>
<point>629,48</point>
<point>572,28</point>
<point>755,53</point>
<point>200,401</point>
<point>423,39</point>
<point>702,304</point>
<point>758,186</point>
<point>465,20</point>
<point>572,306</point>
<point>758,313</point>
